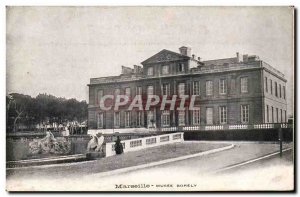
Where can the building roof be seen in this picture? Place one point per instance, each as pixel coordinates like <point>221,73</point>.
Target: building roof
<point>165,55</point>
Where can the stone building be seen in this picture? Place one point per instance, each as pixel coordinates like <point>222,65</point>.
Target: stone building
<point>238,90</point>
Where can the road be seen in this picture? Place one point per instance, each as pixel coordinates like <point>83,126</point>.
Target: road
<point>195,174</point>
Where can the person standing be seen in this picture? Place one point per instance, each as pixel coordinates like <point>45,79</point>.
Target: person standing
<point>118,146</point>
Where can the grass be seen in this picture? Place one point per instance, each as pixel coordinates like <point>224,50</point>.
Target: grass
<point>129,159</point>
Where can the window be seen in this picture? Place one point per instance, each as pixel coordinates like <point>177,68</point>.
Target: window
<point>277,119</point>
<point>127,119</point>
<point>181,88</point>
<point>245,113</point>
<point>196,88</point>
<point>279,90</point>
<point>100,120</point>
<point>267,112</point>
<point>181,67</point>
<point>209,88</point>
<point>209,115</point>
<point>150,90</point>
<point>139,90</point>
<point>165,118</point>
<point>117,91</point>
<point>150,118</point>
<point>127,92</point>
<point>272,111</point>
<point>244,84</point>
<point>181,118</point>
<point>223,114</point>
<point>165,70</point>
<point>222,86</point>
<point>271,84</point>
<point>284,115</point>
<point>117,119</point>
<point>281,120</point>
<point>166,89</point>
<point>284,92</point>
<point>196,117</point>
<point>276,93</point>
<point>99,96</point>
<point>266,84</point>
<point>139,118</point>
<point>150,71</point>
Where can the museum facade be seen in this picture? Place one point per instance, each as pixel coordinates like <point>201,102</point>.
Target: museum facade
<point>238,90</point>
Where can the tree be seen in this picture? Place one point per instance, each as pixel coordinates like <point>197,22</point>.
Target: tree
<point>43,109</point>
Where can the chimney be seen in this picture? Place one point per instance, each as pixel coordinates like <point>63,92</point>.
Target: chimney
<point>123,70</point>
<point>199,59</point>
<point>193,56</point>
<point>245,58</point>
<point>185,51</point>
<point>238,57</point>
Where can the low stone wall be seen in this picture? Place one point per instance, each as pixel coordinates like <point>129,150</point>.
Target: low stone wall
<point>17,145</point>
<point>142,143</point>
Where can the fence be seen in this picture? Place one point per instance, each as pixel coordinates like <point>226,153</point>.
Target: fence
<point>142,143</point>
<point>225,127</point>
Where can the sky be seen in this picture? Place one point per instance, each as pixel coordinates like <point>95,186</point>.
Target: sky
<point>56,50</point>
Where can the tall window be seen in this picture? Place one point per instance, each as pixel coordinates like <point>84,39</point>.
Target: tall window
<point>272,111</point>
<point>117,119</point>
<point>209,88</point>
<point>181,118</point>
<point>181,88</point>
<point>196,88</point>
<point>223,114</point>
<point>267,110</point>
<point>266,84</point>
<point>100,120</point>
<point>277,119</point>
<point>99,96</point>
<point>127,92</point>
<point>279,90</point>
<point>139,118</point>
<point>284,115</point>
<point>244,84</point>
<point>276,93</point>
<point>284,92</point>
<point>196,117</point>
<point>150,71</point>
<point>271,84</point>
<point>150,118</point>
<point>165,69</point>
<point>138,90</point>
<point>245,113</point>
<point>209,115</point>
<point>222,86</point>
<point>165,118</point>
<point>166,89</point>
<point>150,90</point>
<point>117,91</point>
<point>127,118</point>
<point>181,67</point>
<point>281,120</point>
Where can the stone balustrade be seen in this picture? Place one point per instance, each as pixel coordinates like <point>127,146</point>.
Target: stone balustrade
<point>142,143</point>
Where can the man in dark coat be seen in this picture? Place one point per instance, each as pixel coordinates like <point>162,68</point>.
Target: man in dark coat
<point>118,146</point>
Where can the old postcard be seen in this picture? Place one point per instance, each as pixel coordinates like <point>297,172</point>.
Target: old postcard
<point>149,98</point>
